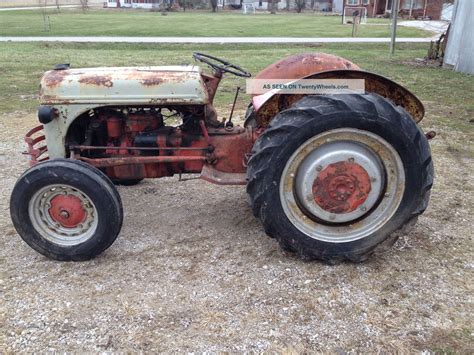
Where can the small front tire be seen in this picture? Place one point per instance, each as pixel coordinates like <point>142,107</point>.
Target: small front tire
<point>66,210</point>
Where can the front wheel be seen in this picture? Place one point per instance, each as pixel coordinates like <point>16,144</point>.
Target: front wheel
<point>335,176</point>
<point>66,210</point>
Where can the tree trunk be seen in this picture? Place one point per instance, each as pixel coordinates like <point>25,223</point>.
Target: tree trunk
<point>299,5</point>
<point>273,7</point>
<point>84,5</point>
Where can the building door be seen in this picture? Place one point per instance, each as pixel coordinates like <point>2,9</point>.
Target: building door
<point>380,6</point>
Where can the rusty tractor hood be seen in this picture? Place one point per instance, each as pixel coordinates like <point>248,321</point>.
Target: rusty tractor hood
<point>127,85</point>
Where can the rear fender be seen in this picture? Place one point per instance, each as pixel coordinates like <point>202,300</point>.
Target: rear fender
<point>268,105</point>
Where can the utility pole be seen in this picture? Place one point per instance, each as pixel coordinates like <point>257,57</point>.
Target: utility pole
<point>394,25</point>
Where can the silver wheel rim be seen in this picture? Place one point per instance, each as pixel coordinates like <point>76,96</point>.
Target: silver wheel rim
<point>311,160</point>
<point>39,210</point>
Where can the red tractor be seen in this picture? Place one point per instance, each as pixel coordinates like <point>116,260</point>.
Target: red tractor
<point>331,177</point>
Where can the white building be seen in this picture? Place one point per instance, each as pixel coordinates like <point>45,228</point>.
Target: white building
<point>460,46</point>
<point>319,5</point>
<point>142,4</point>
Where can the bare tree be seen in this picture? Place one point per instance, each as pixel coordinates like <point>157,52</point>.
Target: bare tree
<point>57,5</point>
<point>183,4</point>
<point>84,5</point>
<point>300,5</point>
<point>287,5</point>
<point>214,5</point>
<point>46,22</point>
<point>273,6</point>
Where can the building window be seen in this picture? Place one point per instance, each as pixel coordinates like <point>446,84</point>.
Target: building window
<point>415,4</point>
<point>365,2</point>
<point>352,2</point>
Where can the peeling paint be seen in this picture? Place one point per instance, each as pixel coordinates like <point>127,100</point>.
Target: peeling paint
<point>129,85</point>
<point>151,81</point>
<point>97,80</point>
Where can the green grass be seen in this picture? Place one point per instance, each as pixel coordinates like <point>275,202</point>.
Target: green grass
<point>446,94</point>
<point>128,22</point>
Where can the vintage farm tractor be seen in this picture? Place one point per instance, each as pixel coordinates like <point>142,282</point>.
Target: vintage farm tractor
<point>331,177</point>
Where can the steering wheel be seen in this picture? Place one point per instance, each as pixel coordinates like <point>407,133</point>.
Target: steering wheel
<point>221,65</point>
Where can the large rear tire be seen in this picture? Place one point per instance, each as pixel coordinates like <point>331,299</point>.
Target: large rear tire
<point>66,210</point>
<point>335,176</point>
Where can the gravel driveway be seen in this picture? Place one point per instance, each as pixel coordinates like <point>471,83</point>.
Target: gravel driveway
<point>193,271</point>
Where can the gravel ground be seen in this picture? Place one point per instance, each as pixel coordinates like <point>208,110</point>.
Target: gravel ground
<point>193,271</point>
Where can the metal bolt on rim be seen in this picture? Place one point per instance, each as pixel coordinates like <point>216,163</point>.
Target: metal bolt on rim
<point>372,155</point>
<point>39,210</point>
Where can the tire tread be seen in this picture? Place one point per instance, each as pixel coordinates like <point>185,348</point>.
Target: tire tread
<point>317,107</point>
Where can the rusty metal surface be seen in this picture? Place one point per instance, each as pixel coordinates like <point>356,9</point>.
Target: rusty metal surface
<point>302,65</point>
<point>209,173</point>
<point>140,85</point>
<point>374,83</point>
<point>67,210</point>
<point>383,86</point>
<point>166,151</point>
<point>212,83</point>
<point>393,190</point>
<point>35,147</point>
<point>97,80</point>
<point>130,160</point>
<point>341,187</point>
<point>94,147</point>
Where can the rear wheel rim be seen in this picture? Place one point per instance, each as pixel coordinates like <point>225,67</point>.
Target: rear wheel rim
<point>63,215</point>
<point>342,185</point>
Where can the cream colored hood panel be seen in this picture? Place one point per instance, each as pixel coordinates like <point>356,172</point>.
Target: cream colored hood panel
<point>127,85</point>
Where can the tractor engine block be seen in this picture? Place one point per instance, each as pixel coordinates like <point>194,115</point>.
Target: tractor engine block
<point>135,144</point>
<point>123,127</point>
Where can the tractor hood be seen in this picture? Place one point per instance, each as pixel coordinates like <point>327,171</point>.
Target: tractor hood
<point>129,85</point>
